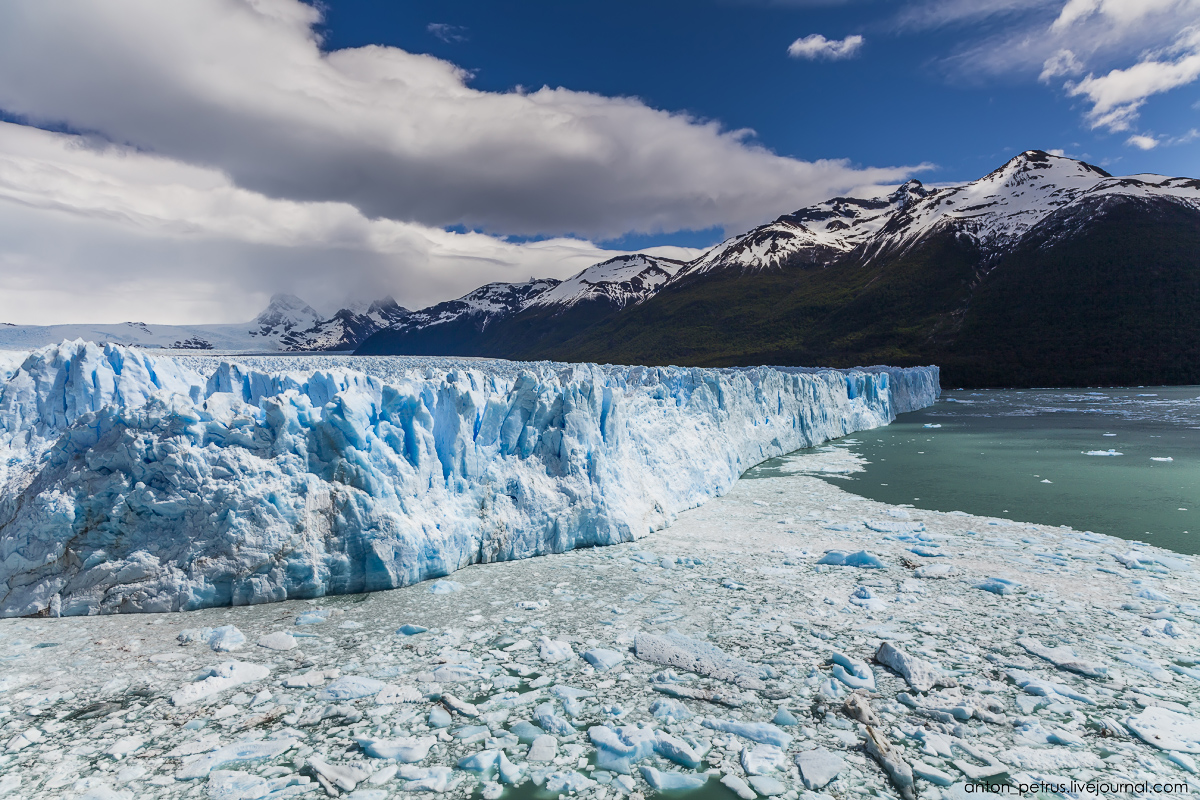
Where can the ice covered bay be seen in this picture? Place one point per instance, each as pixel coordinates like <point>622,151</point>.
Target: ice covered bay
<point>130,482</point>
<point>1027,652</point>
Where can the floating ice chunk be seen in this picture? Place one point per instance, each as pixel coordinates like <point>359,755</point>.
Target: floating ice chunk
<point>677,750</point>
<point>784,718</point>
<point>486,761</point>
<point>677,650</point>
<point>818,767</point>
<point>226,639</point>
<point>933,425</point>
<point>459,706</point>
<point>238,785</point>
<point>190,635</point>
<point>1184,761</point>
<point>567,782</point>
<point>445,587</point>
<point>408,629</point>
<point>890,526</point>
<point>1150,593</point>
<point>893,764</point>
<point>618,749</point>
<point>350,687</point>
<point>738,787</point>
<point>766,785</point>
<point>406,749</point>
<point>222,677</point>
<point>1109,452</point>
<point>124,746</point>
<point>763,732</point>
<point>1161,458</point>
<point>543,748</point>
<point>672,781</point>
<point>919,674</point>
<point>934,571</point>
<point>852,672</point>
<point>314,616</point>
<point>426,779</point>
<point>23,739</point>
<point>1166,729</point>
<point>1063,657</point>
<point>455,673</point>
<point>439,717</point>
<point>1145,664</point>
<point>236,753</point>
<point>549,721</point>
<point>931,774</point>
<point>864,597</point>
<point>391,694</point>
<point>861,559</point>
<point>670,709</point>
<point>279,640</point>
<point>603,659</point>
<point>309,679</point>
<point>1000,586</point>
<point>763,759</point>
<point>555,651</point>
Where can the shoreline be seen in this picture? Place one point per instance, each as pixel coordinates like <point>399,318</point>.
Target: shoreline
<point>739,573</point>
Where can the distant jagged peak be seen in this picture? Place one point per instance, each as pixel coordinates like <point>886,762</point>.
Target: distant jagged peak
<point>287,311</point>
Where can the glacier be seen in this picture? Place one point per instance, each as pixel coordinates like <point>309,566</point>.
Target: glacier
<point>130,482</point>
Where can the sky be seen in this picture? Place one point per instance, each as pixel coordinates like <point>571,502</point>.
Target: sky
<point>180,162</point>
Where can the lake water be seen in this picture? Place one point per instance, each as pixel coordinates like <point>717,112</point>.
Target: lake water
<point>1022,455</point>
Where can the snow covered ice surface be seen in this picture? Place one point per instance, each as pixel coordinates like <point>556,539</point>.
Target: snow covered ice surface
<point>135,483</point>
<point>1085,671</point>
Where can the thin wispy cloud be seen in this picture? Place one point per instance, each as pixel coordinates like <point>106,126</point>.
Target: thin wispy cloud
<point>446,32</point>
<point>815,46</point>
<point>1113,54</point>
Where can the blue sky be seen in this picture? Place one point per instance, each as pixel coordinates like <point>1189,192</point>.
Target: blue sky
<point>903,99</point>
<point>181,162</point>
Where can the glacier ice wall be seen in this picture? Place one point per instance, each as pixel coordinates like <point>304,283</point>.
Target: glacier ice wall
<point>137,483</point>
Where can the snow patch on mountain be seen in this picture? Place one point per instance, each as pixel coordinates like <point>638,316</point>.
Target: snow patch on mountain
<point>621,281</point>
<point>483,305</point>
<point>813,235</point>
<point>130,482</point>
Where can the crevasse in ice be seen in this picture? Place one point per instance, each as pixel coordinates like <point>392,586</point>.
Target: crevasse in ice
<point>130,482</point>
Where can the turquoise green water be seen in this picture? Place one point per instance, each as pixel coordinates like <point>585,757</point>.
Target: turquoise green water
<point>1021,455</point>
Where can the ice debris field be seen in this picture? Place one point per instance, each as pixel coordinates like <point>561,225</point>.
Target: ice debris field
<point>135,483</point>
<point>785,640</point>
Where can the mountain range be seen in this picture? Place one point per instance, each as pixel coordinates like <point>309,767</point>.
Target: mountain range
<point>1047,271</point>
<point>286,324</point>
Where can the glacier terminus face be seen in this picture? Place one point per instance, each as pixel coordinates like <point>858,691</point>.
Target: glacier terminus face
<point>130,482</point>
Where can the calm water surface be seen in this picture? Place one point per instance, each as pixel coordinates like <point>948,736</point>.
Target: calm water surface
<point>1022,455</point>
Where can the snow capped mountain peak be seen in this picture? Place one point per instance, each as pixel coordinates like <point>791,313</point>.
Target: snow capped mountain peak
<point>999,208</point>
<point>621,281</point>
<point>995,210</point>
<point>284,313</point>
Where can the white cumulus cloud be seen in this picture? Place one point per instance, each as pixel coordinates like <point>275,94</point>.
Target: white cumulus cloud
<point>816,46</point>
<point>245,87</point>
<point>103,233</point>
<point>1117,95</point>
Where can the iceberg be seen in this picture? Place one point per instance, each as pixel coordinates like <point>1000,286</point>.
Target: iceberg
<point>130,482</point>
